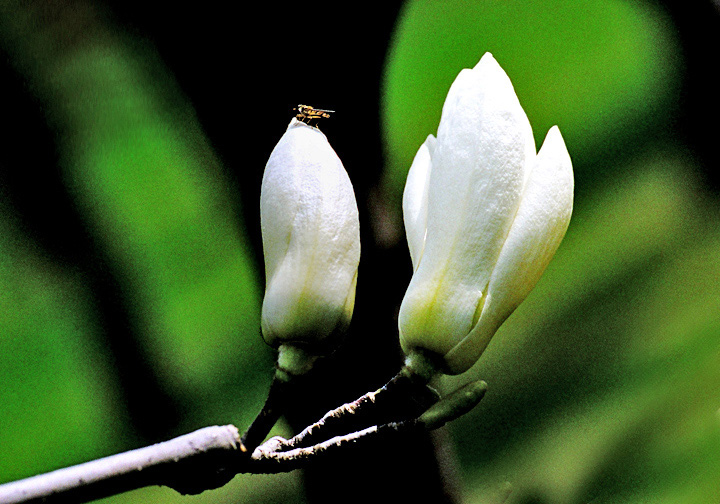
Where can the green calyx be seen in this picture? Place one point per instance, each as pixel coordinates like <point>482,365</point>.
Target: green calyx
<point>293,361</point>
<point>422,365</point>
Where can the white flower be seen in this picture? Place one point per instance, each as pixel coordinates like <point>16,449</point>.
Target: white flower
<point>483,216</point>
<point>311,243</point>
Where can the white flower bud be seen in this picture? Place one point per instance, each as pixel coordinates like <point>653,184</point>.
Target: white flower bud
<point>311,244</point>
<point>483,216</point>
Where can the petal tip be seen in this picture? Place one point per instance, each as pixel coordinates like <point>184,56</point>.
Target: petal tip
<point>488,63</point>
<point>487,58</point>
<point>554,131</point>
<point>554,141</point>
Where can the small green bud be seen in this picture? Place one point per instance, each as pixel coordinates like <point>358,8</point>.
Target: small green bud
<point>454,405</point>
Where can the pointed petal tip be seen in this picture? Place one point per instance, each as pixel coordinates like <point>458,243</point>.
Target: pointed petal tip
<point>487,57</point>
<point>430,143</point>
<point>487,61</point>
<point>491,76</point>
<point>295,123</point>
<point>554,152</point>
<point>554,142</point>
<point>554,131</point>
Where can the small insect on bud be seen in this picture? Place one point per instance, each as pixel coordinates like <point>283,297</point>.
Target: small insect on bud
<point>307,114</point>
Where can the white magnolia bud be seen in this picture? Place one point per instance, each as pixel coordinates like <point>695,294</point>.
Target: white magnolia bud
<point>311,244</point>
<point>484,214</point>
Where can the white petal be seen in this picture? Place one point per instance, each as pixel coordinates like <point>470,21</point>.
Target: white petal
<point>477,177</point>
<point>311,241</point>
<point>536,233</point>
<point>415,198</point>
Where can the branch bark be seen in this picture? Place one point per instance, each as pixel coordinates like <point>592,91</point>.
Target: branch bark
<point>210,457</point>
<point>190,464</point>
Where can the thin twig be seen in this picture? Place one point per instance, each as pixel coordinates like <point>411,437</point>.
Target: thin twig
<point>270,458</point>
<point>338,416</point>
<point>278,400</point>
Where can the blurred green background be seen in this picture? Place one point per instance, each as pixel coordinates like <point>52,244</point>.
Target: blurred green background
<point>130,263</point>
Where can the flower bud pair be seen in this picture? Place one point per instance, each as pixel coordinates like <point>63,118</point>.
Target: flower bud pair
<point>483,212</point>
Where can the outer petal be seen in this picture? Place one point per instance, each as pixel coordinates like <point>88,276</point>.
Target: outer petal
<point>536,233</point>
<point>478,172</point>
<point>311,239</point>
<point>415,199</point>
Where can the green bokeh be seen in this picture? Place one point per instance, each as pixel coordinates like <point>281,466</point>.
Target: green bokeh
<point>57,395</point>
<point>162,214</point>
<point>153,192</point>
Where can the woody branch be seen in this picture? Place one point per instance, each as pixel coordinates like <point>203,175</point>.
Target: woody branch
<point>210,457</point>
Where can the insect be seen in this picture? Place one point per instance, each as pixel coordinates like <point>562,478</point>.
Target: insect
<point>307,114</point>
